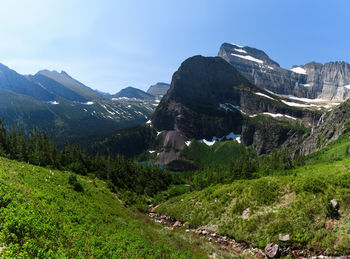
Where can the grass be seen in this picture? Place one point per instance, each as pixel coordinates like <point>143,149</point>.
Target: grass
<point>43,216</point>
<point>219,154</point>
<point>297,204</point>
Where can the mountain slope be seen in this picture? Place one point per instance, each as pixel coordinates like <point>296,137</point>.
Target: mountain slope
<point>72,84</point>
<point>12,81</point>
<point>56,88</point>
<point>295,204</point>
<point>209,99</point>
<point>158,90</point>
<point>328,81</point>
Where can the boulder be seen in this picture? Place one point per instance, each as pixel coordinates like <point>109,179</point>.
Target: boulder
<point>272,250</point>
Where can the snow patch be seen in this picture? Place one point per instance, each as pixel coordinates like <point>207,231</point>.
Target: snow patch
<point>296,104</point>
<point>305,99</point>
<point>234,44</point>
<point>104,106</point>
<point>126,99</point>
<point>250,58</point>
<point>347,86</point>
<point>275,115</point>
<point>241,50</point>
<point>264,95</point>
<point>208,143</point>
<point>299,70</point>
<point>53,102</point>
<point>231,136</point>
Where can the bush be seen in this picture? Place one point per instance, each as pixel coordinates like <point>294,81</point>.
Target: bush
<point>313,184</point>
<point>72,180</point>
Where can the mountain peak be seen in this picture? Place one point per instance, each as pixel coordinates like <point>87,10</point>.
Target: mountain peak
<point>132,92</point>
<point>159,89</point>
<point>231,51</point>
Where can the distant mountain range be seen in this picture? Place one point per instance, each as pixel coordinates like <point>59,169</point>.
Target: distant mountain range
<point>55,102</point>
<point>156,91</point>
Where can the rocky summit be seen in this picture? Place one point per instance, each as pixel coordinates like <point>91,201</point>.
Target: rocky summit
<point>328,81</point>
<point>159,89</point>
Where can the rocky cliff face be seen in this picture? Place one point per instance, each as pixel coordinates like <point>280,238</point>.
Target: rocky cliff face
<point>329,127</point>
<point>262,71</point>
<point>209,98</point>
<point>192,104</point>
<point>330,81</point>
<point>158,90</point>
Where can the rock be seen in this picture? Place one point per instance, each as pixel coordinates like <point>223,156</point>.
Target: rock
<point>260,254</point>
<point>272,250</point>
<point>334,204</point>
<point>177,224</point>
<point>243,245</point>
<point>283,237</point>
<point>245,213</point>
<point>153,208</point>
<point>187,230</point>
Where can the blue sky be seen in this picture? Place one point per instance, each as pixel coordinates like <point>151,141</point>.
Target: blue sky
<point>111,44</point>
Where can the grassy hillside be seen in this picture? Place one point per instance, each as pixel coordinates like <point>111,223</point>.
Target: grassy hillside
<point>49,213</point>
<point>294,202</point>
